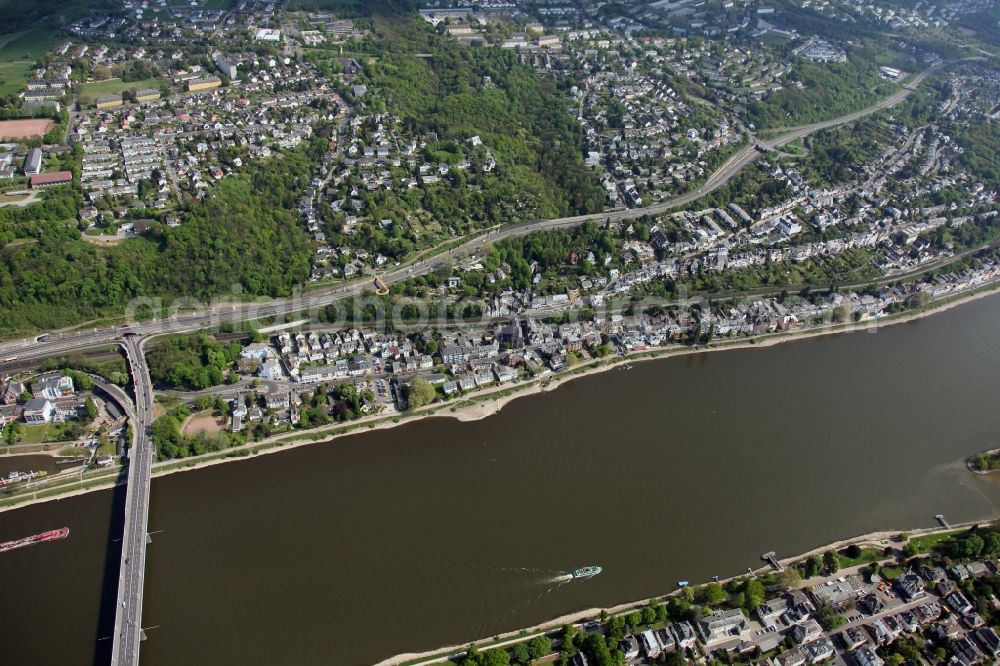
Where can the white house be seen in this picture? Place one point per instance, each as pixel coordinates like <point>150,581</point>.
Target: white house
<point>270,369</point>
<point>54,388</point>
<point>255,351</point>
<point>37,411</point>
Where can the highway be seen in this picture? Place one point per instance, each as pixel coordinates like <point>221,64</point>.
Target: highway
<point>210,316</point>
<point>128,606</point>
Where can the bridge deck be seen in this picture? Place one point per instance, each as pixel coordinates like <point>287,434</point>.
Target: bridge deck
<point>128,606</point>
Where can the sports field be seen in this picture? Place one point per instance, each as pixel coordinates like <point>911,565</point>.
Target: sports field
<point>12,76</point>
<point>13,130</point>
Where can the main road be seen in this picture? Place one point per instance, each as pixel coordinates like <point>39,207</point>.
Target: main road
<point>208,316</point>
<point>131,573</point>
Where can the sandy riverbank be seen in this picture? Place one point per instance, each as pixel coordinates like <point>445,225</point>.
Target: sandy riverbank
<point>881,539</point>
<point>491,401</point>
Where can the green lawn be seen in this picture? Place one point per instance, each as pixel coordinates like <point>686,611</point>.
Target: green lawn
<point>924,544</point>
<point>29,46</point>
<point>867,556</point>
<point>50,432</point>
<point>91,91</point>
<point>13,75</point>
<point>891,573</point>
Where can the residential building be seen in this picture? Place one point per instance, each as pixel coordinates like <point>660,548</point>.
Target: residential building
<point>722,624</point>
<point>989,640</point>
<point>684,633</point>
<point>54,388</point>
<point>267,35</point>
<point>667,641</point>
<point>866,656</point>
<point>879,632</point>
<point>650,646</point>
<point>966,652</point>
<point>12,392</point>
<point>806,632</point>
<point>278,400</point>
<point>37,411</point>
<point>255,351</point>
<point>818,650</point>
<point>772,609</point>
<point>226,67</point>
<point>833,593</point>
<point>51,179</point>
<point>871,604</point>
<point>270,369</point>
<point>147,95</point>
<point>108,101</point>
<point>33,162</point>
<point>910,586</point>
<point>854,637</point>
<point>204,83</point>
<point>629,647</point>
<point>959,603</point>
<point>794,657</point>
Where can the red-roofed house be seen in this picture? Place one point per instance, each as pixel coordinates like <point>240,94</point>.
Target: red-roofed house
<point>54,178</point>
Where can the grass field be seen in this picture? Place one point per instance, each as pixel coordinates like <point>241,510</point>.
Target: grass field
<point>18,54</point>
<point>891,572</point>
<point>30,45</point>
<point>924,544</point>
<point>13,76</point>
<point>91,91</point>
<point>50,432</point>
<point>867,556</point>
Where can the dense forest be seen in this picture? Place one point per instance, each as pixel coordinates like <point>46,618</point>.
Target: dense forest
<point>246,234</point>
<point>827,90</point>
<point>839,155</point>
<point>980,144</point>
<point>196,361</point>
<point>20,15</point>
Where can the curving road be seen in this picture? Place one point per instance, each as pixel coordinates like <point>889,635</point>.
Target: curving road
<point>207,317</point>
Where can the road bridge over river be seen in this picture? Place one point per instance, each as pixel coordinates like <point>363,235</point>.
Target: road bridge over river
<point>128,606</point>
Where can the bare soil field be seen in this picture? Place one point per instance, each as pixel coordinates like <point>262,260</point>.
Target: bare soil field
<point>203,423</point>
<point>24,129</point>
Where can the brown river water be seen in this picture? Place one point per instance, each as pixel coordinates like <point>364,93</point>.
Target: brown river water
<point>439,532</point>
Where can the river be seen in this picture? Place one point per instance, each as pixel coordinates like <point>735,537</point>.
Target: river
<point>440,531</point>
<point>37,462</point>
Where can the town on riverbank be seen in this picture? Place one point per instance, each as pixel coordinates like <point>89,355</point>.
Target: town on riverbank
<point>342,381</point>
<point>658,209</point>
<point>928,597</point>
